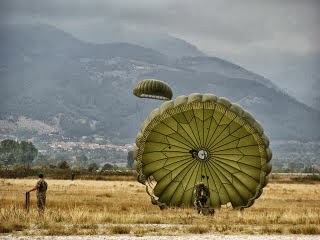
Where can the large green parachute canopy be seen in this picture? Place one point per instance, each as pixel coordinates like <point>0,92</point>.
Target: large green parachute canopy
<point>202,138</point>
<point>152,88</point>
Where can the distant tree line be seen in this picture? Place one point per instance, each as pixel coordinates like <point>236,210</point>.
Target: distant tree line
<point>21,159</point>
<point>13,152</point>
<point>294,167</point>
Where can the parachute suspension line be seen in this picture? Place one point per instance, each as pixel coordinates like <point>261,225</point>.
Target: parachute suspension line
<point>139,118</point>
<point>153,97</point>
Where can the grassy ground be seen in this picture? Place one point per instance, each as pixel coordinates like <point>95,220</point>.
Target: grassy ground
<point>123,207</point>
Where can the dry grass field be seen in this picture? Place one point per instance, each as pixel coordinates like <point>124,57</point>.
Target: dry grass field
<point>123,207</point>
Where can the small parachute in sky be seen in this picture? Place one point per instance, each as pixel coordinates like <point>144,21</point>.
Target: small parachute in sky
<point>152,88</point>
<point>202,138</point>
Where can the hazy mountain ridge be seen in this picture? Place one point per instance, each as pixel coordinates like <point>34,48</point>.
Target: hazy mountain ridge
<point>219,66</point>
<point>42,40</point>
<point>300,76</point>
<point>83,89</point>
<point>173,47</point>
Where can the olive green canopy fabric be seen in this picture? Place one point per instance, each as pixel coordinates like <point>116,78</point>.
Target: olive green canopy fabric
<point>152,88</point>
<point>202,138</point>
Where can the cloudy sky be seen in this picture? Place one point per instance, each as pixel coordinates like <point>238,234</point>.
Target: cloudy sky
<point>263,36</point>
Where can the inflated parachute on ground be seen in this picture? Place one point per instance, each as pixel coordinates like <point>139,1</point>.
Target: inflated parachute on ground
<point>152,88</point>
<point>202,138</point>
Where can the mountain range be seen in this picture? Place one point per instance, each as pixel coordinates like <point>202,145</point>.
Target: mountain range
<point>53,82</point>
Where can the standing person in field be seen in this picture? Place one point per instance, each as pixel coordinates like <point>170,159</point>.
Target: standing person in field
<point>202,194</point>
<point>41,188</point>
